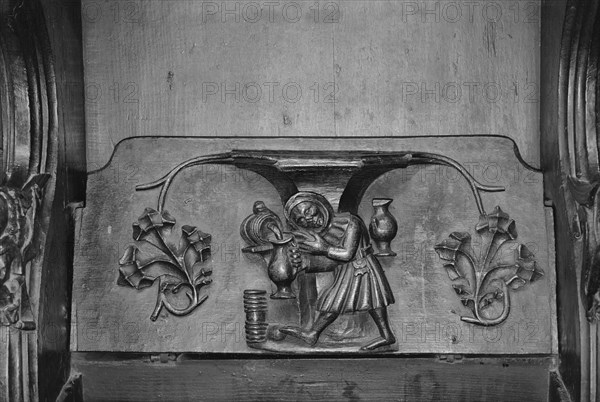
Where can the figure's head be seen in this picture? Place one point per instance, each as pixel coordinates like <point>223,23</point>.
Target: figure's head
<point>308,210</point>
<point>307,215</point>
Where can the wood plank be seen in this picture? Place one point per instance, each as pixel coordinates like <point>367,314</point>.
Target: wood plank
<point>189,68</point>
<point>114,377</point>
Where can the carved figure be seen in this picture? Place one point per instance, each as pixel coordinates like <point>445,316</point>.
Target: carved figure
<point>360,283</point>
<point>18,208</point>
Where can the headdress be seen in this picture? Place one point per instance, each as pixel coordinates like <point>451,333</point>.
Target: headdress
<point>308,196</point>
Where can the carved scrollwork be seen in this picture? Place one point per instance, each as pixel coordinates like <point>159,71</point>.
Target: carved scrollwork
<point>174,267</point>
<point>484,278</point>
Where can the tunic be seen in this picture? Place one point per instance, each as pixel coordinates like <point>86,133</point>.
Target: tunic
<point>360,283</point>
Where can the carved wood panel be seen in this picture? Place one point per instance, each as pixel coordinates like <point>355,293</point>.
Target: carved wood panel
<point>155,189</point>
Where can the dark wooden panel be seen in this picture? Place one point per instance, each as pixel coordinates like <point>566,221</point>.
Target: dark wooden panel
<point>569,154</point>
<point>63,23</point>
<point>41,131</point>
<point>116,378</point>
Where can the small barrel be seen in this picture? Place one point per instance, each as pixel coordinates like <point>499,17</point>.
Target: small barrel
<point>255,307</point>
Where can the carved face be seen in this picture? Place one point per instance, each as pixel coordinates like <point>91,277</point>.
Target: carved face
<point>308,215</point>
<point>308,210</point>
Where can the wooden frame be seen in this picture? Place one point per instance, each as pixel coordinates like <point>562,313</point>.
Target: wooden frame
<point>570,165</point>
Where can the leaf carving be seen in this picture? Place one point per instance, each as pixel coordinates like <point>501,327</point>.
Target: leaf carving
<point>176,269</point>
<point>457,251</point>
<point>484,279</point>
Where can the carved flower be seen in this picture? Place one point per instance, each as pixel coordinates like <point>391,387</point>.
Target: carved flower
<point>497,222</point>
<point>485,277</point>
<point>198,239</point>
<point>130,272</point>
<point>527,268</point>
<point>174,268</point>
<point>152,219</point>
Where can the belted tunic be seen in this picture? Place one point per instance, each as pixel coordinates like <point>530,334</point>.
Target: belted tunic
<point>360,283</point>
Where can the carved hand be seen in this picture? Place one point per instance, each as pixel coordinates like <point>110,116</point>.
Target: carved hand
<point>295,258</point>
<point>311,243</point>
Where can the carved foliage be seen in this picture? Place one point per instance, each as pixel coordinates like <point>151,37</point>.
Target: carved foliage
<point>174,266</point>
<point>484,278</point>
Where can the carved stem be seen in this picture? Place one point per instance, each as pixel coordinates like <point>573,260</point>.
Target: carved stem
<point>162,301</point>
<point>494,321</point>
<point>165,181</point>
<point>472,274</point>
<point>171,254</point>
<point>476,187</point>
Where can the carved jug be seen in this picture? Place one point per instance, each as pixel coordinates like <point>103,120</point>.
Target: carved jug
<point>383,227</point>
<point>281,269</point>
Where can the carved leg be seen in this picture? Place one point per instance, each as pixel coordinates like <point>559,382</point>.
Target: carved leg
<point>311,337</point>
<point>387,337</point>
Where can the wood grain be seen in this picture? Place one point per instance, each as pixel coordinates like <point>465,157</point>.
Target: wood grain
<point>115,377</point>
<point>310,68</point>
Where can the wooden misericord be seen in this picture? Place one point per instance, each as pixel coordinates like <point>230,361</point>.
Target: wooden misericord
<point>206,109</point>
<point>201,204</point>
